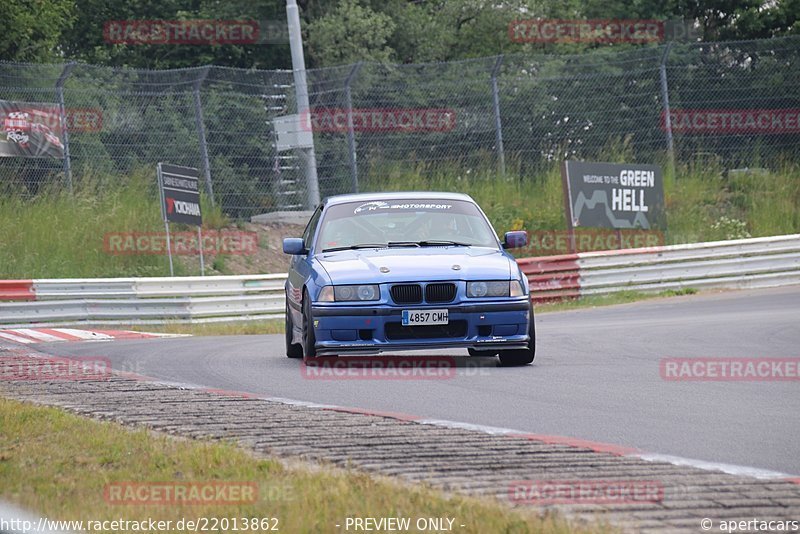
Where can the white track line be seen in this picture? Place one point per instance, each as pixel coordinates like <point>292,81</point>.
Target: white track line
<point>741,470</point>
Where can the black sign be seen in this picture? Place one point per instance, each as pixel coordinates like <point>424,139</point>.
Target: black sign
<point>611,195</point>
<point>180,195</point>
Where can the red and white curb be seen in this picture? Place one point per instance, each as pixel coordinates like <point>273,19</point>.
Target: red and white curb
<point>30,336</point>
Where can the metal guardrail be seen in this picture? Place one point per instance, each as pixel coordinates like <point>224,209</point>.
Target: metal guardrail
<point>736,264</point>
<point>143,300</point>
<point>744,263</point>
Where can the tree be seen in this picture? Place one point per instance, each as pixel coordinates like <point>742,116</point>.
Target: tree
<point>350,33</point>
<point>30,30</point>
<point>86,42</point>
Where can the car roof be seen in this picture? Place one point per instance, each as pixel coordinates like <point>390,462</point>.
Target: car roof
<point>396,195</point>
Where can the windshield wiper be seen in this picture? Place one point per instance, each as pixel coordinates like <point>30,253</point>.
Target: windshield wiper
<point>403,244</point>
<point>354,247</point>
<point>428,243</point>
<point>441,242</point>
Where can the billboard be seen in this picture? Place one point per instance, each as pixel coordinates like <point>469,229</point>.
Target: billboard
<point>30,130</point>
<point>613,195</point>
<point>180,194</point>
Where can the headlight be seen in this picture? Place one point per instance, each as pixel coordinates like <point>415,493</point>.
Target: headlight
<point>488,289</point>
<point>356,293</point>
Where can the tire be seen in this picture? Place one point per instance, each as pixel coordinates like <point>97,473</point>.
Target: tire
<point>293,350</point>
<point>309,340</point>
<point>512,358</point>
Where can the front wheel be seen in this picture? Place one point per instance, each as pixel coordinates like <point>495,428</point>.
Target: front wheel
<point>293,350</point>
<point>510,358</point>
<point>309,339</point>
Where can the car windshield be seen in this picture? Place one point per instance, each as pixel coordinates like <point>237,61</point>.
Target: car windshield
<point>405,223</point>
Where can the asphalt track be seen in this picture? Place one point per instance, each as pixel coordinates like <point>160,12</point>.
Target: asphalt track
<point>596,377</point>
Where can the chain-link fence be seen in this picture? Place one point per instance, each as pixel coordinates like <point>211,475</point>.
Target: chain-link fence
<point>734,103</point>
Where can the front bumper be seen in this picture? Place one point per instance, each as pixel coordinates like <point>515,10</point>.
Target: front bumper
<point>496,325</point>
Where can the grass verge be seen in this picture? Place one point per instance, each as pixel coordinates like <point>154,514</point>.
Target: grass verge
<point>58,465</point>
<point>233,328</point>
<point>703,202</point>
<point>55,235</point>
<point>621,297</point>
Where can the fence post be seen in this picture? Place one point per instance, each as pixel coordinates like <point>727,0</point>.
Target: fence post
<point>665,102</point>
<point>62,113</point>
<point>201,132</point>
<point>498,126</point>
<point>351,136</point>
<point>301,95</point>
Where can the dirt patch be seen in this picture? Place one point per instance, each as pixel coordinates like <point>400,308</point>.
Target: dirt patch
<point>266,258</point>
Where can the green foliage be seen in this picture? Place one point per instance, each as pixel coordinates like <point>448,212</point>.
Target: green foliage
<point>355,30</point>
<point>31,30</point>
<point>348,34</point>
<point>85,40</point>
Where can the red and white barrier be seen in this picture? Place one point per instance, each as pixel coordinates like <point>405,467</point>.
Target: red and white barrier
<point>17,290</point>
<point>552,277</point>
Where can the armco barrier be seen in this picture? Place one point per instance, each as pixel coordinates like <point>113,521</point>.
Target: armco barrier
<point>744,263</point>
<point>145,300</point>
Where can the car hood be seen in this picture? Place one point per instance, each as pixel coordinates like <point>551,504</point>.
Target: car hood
<point>412,264</point>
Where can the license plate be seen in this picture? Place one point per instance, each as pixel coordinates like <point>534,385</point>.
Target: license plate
<point>424,317</point>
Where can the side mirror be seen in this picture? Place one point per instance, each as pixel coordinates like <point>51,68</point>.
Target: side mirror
<point>294,246</point>
<point>515,239</point>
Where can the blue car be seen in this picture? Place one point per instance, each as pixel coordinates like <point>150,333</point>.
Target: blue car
<point>385,272</point>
